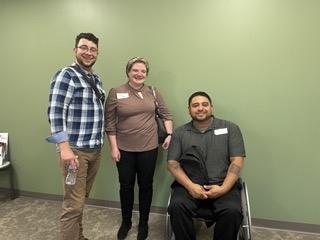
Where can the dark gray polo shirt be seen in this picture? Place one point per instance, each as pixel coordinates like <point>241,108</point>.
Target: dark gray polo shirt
<point>220,141</point>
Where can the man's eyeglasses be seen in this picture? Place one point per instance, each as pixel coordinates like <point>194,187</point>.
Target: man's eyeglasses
<point>86,49</point>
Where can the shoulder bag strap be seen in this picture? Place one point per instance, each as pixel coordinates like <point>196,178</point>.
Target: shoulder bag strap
<point>90,81</point>
<point>155,101</point>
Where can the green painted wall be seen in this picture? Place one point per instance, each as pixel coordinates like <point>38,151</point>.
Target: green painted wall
<point>258,59</point>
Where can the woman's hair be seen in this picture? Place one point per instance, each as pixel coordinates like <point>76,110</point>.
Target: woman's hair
<point>202,94</point>
<point>136,60</point>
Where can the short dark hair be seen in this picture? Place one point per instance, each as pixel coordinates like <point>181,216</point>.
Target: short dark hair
<point>203,94</point>
<point>88,36</point>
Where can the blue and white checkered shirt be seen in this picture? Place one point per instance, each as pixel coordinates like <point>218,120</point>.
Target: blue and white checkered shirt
<point>75,113</point>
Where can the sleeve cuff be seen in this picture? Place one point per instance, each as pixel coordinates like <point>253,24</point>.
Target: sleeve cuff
<point>58,137</point>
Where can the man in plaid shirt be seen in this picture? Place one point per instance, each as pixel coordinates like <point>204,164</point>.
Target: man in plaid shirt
<point>75,114</point>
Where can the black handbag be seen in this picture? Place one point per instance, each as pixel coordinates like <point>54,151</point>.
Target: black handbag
<point>162,132</point>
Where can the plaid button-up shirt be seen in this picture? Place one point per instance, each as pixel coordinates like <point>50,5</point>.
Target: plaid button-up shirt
<point>74,112</point>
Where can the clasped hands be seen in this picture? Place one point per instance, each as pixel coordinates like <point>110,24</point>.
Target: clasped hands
<point>207,191</point>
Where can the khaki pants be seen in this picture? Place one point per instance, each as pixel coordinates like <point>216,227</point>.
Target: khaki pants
<point>74,195</point>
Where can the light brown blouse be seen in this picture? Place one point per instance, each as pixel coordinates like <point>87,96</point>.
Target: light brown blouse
<point>132,118</point>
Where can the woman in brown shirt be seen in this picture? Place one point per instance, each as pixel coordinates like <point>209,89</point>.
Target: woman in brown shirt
<point>132,133</point>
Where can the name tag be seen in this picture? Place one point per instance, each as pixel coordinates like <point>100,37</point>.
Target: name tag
<point>221,131</point>
<point>122,95</point>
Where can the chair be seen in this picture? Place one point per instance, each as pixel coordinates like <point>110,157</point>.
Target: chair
<point>206,216</point>
<point>5,165</point>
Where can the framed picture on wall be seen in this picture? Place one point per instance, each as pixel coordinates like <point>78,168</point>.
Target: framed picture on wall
<point>3,147</point>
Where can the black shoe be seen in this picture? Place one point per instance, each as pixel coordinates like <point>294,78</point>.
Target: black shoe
<point>123,230</point>
<point>143,231</point>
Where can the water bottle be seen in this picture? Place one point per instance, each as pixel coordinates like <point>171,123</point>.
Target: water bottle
<point>71,176</point>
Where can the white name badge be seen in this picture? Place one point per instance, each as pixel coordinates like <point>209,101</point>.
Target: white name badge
<point>122,95</point>
<point>221,131</point>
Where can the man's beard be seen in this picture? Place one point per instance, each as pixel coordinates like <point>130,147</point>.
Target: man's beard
<point>195,118</point>
<point>79,60</point>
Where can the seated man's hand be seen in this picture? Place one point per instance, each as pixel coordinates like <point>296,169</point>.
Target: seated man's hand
<point>214,191</point>
<point>197,191</point>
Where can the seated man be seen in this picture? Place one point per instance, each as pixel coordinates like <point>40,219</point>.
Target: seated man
<point>223,148</point>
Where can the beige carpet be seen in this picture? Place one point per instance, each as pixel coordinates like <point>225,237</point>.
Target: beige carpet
<point>35,219</point>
